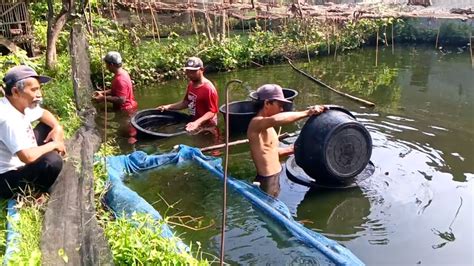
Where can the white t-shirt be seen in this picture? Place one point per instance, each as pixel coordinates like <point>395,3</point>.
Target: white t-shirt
<point>16,133</point>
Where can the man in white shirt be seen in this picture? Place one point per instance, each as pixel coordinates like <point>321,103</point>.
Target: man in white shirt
<point>27,156</point>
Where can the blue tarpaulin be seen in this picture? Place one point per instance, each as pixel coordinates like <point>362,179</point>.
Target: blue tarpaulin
<point>123,200</point>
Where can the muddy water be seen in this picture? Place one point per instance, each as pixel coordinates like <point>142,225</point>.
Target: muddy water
<point>416,209</point>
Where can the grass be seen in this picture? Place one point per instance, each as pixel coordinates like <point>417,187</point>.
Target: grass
<point>29,225</point>
<point>137,240</point>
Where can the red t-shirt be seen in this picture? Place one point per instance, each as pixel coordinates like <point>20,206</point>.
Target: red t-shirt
<point>122,87</point>
<point>201,100</point>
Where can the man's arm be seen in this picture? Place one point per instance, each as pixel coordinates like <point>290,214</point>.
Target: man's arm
<point>286,151</point>
<point>174,106</point>
<point>56,133</point>
<point>198,122</point>
<point>284,118</point>
<point>30,155</point>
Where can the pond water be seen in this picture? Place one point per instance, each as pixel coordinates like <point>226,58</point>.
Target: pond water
<point>417,208</point>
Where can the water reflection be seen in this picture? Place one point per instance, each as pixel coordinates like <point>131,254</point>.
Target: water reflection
<point>339,214</point>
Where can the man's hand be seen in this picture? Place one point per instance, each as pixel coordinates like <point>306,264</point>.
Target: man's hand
<point>192,126</point>
<point>316,109</point>
<point>162,108</point>
<point>98,95</point>
<point>56,133</point>
<point>60,147</point>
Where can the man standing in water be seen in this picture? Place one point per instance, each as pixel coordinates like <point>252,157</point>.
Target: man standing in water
<point>121,92</point>
<point>27,156</point>
<point>201,98</point>
<point>263,138</point>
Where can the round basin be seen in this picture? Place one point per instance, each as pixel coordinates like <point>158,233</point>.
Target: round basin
<point>153,123</point>
<point>240,114</point>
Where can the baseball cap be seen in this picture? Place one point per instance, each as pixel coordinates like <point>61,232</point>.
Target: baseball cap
<point>271,92</point>
<point>113,57</point>
<point>22,72</point>
<point>193,63</point>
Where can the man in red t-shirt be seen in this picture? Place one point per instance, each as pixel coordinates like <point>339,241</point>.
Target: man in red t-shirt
<point>201,98</point>
<point>121,92</point>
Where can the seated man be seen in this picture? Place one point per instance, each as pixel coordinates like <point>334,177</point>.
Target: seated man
<point>27,156</point>
<point>263,138</point>
<point>201,98</point>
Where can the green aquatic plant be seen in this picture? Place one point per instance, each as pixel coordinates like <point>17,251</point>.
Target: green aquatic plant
<point>3,227</point>
<point>136,240</point>
<point>31,211</point>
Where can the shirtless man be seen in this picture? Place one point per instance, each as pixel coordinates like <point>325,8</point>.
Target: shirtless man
<point>263,138</point>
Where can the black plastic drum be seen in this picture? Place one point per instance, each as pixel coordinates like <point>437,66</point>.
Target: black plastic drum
<point>240,114</point>
<point>289,94</point>
<point>333,147</point>
<point>154,123</point>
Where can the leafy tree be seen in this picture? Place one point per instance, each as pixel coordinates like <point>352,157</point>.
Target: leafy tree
<point>56,22</point>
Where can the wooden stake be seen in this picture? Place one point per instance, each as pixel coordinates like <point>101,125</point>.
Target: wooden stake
<point>437,38</point>
<point>329,44</point>
<point>153,22</point>
<point>112,10</point>
<point>393,40</point>
<point>471,48</point>
<point>193,19</point>
<point>334,33</point>
<point>305,39</point>
<point>377,48</point>
<point>223,24</point>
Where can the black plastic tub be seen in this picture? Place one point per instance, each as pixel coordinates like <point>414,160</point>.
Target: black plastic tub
<point>289,94</point>
<point>154,123</point>
<point>333,147</point>
<point>240,114</point>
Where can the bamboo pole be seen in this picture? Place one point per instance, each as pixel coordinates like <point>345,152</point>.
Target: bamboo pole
<point>228,25</point>
<point>155,22</point>
<point>336,38</point>
<point>306,39</point>
<point>329,43</point>
<point>152,22</point>
<point>241,141</point>
<point>393,40</point>
<point>223,25</point>
<point>377,48</point>
<point>471,48</point>
<point>193,19</point>
<point>437,38</point>
<point>319,82</point>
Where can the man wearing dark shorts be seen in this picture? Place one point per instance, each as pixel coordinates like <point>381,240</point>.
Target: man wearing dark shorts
<point>27,156</point>
<point>263,139</point>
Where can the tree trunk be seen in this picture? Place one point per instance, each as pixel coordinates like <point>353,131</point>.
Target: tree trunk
<point>55,25</point>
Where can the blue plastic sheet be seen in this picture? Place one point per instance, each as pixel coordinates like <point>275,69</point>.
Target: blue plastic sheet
<point>12,235</point>
<point>123,200</point>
